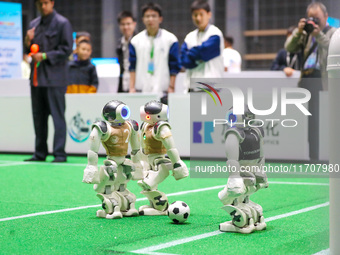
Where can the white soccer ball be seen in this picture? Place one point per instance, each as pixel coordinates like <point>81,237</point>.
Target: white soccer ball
<point>178,212</point>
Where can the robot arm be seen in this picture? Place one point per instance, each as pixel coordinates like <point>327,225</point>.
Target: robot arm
<point>91,174</point>
<point>136,156</point>
<point>180,169</point>
<point>232,152</point>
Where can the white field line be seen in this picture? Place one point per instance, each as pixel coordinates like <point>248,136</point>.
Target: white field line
<point>140,199</point>
<point>323,252</point>
<point>13,163</point>
<point>151,249</point>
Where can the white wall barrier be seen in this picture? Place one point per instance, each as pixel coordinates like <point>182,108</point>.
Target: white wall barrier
<point>17,134</point>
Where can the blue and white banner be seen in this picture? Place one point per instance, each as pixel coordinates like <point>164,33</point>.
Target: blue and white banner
<point>10,40</point>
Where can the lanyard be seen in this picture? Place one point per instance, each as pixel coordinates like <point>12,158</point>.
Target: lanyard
<point>152,49</point>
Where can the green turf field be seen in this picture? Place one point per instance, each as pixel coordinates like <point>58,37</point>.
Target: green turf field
<point>46,209</point>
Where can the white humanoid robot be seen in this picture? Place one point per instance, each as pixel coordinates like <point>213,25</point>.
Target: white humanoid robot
<point>110,180</point>
<point>156,141</point>
<point>244,151</point>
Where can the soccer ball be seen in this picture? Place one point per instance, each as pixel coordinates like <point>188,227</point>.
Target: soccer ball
<point>178,212</point>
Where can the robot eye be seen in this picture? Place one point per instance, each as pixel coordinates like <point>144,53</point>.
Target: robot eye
<point>147,117</point>
<point>232,118</point>
<point>125,112</point>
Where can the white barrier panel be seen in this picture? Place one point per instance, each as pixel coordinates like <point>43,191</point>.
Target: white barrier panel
<point>17,133</point>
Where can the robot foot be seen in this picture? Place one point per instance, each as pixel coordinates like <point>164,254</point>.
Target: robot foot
<point>261,225</point>
<point>149,211</point>
<point>114,215</point>
<point>101,214</point>
<point>131,213</point>
<point>228,226</point>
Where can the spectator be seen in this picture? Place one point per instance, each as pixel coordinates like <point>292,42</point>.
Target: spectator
<point>53,33</point>
<point>127,26</point>
<point>80,36</point>
<point>286,61</point>
<point>82,73</point>
<point>231,58</point>
<point>201,52</point>
<point>154,61</point>
<point>312,38</point>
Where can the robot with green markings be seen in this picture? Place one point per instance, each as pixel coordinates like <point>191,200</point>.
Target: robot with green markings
<point>244,151</point>
<point>157,141</point>
<point>110,181</point>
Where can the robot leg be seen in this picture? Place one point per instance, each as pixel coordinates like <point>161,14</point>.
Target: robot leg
<point>158,203</point>
<point>111,205</point>
<point>257,215</point>
<point>242,218</point>
<point>130,198</point>
<point>234,189</point>
<point>154,177</point>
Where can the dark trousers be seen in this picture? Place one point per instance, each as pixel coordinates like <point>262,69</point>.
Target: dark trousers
<point>49,101</point>
<point>313,83</point>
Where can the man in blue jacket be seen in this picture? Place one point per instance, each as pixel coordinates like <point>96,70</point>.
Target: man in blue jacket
<point>53,33</point>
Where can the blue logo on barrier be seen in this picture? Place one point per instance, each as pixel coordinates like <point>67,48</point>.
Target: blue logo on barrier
<point>78,129</point>
<point>207,130</point>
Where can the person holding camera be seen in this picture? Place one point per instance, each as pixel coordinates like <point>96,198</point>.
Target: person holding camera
<point>312,38</point>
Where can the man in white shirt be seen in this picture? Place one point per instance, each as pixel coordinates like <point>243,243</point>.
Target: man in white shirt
<point>201,52</point>
<point>231,58</point>
<point>154,61</point>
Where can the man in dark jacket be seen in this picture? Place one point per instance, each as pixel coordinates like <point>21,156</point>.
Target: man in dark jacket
<point>127,25</point>
<point>53,33</point>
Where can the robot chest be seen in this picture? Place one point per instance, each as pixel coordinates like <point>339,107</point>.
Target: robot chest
<point>119,136</point>
<point>250,147</point>
<point>150,144</point>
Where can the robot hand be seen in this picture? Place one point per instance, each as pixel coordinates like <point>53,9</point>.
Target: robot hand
<point>91,175</point>
<point>180,170</point>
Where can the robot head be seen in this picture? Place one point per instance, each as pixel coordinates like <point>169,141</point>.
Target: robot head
<point>154,111</point>
<point>116,112</point>
<point>239,120</point>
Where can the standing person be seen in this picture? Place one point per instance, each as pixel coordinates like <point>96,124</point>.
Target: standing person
<point>53,33</point>
<point>154,61</point>
<point>231,58</point>
<point>82,73</point>
<point>127,26</point>
<point>201,52</point>
<point>312,37</point>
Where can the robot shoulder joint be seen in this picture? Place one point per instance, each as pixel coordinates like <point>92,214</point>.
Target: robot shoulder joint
<point>102,127</point>
<point>134,125</point>
<point>239,132</point>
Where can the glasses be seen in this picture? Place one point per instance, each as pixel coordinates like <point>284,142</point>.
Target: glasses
<point>151,16</point>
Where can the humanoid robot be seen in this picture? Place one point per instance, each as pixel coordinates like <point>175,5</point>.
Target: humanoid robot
<point>157,141</point>
<point>111,179</point>
<point>244,151</point>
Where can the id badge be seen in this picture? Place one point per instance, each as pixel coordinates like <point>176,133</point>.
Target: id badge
<point>151,67</point>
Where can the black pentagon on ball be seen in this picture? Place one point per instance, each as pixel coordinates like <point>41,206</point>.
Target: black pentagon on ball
<point>175,210</point>
<point>186,215</point>
<point>176,221</point>
<point>184,204</point>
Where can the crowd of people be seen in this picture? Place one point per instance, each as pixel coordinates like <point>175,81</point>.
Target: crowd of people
<point>151,59</point>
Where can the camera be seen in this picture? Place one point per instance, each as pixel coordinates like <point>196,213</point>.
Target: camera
<point>309,27</point>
